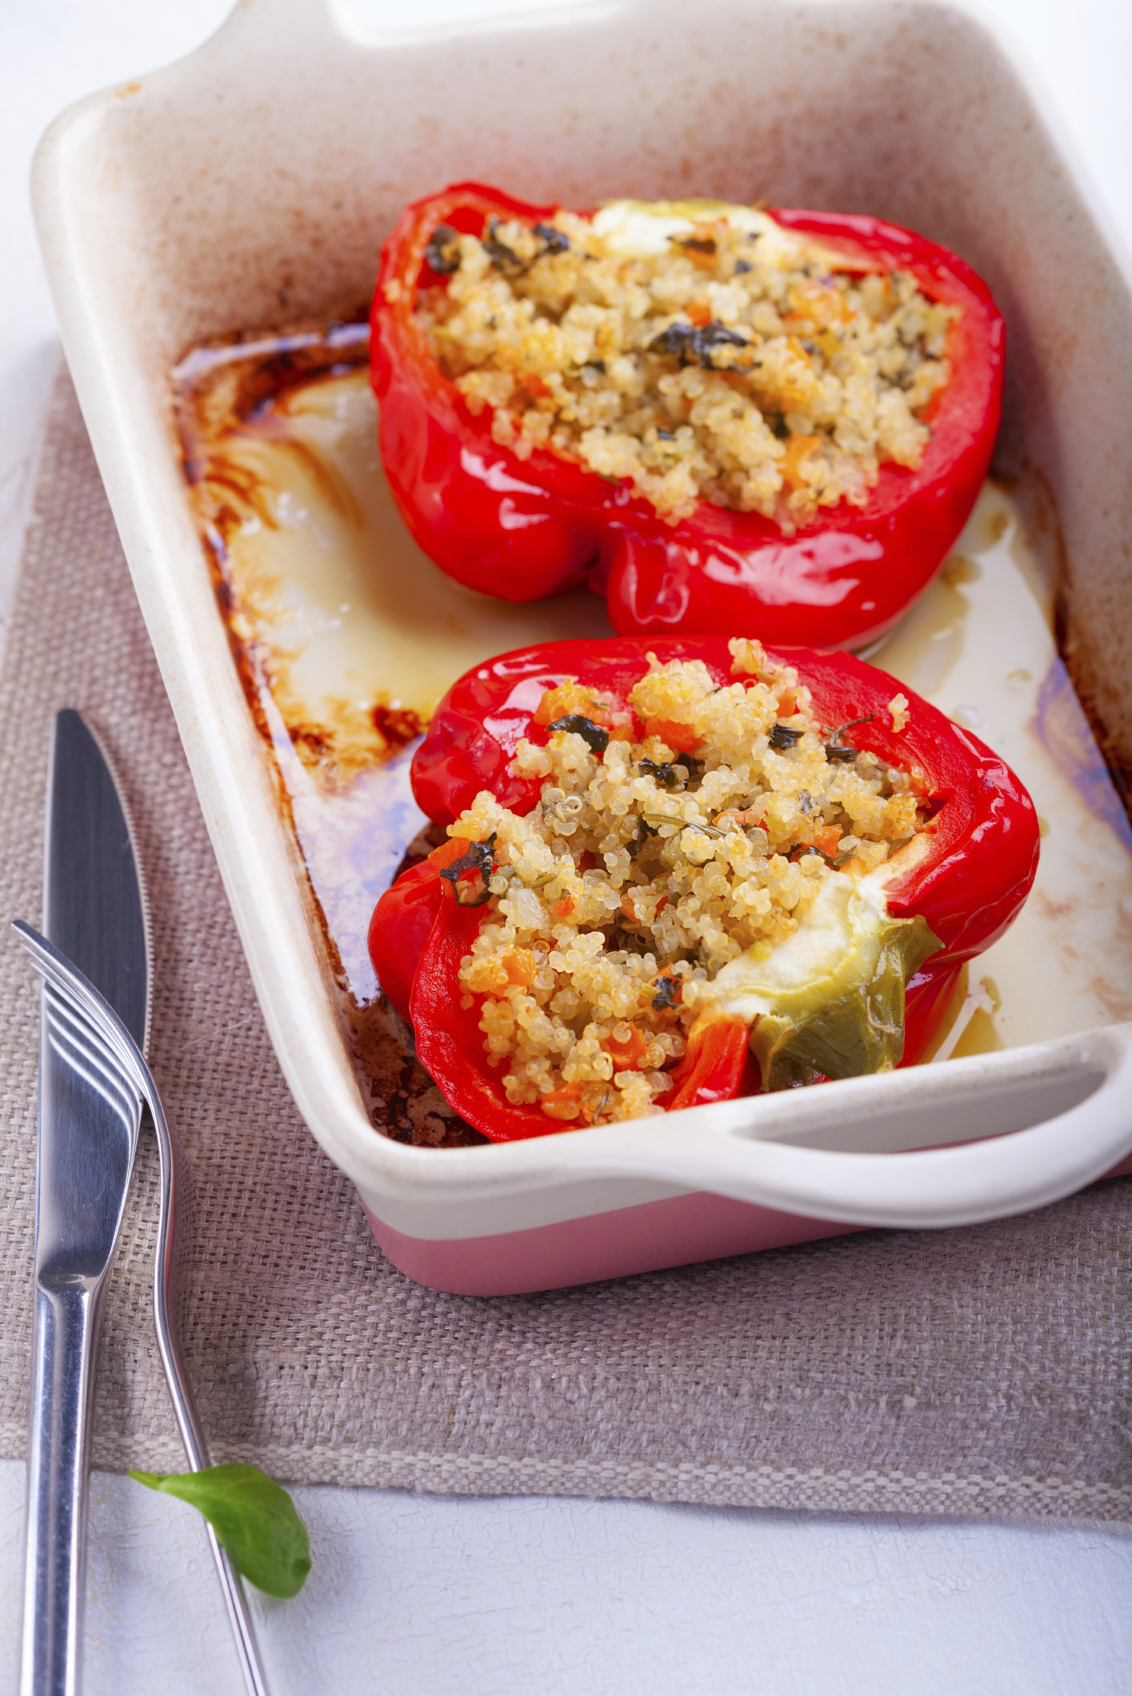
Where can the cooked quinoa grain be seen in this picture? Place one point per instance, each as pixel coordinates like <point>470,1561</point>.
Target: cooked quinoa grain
<point>698,350</point>
<point>674,833</point>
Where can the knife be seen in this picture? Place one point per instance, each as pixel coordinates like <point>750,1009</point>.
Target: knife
<point>94,911</point>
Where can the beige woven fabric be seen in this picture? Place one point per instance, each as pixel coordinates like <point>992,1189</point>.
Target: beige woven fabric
<point>973,1371</point>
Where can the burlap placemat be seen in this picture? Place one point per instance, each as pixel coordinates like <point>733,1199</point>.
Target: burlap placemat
<point>970,1371</point>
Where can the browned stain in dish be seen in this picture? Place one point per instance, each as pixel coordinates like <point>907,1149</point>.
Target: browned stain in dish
<point>402,1098</point>
<point>1115,1003</point>
<point>228,400</point>
<point>402,1101</point>
<point>397,726</point>
<point>1044,541</point>
<point>227,381</point>
<point>1054,910</point>
<point>220,393</point>
<point>229,491</point>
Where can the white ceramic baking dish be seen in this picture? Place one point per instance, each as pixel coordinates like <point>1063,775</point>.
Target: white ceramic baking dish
<point>252,185</point>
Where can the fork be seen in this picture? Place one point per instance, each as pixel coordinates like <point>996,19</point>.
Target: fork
<point>98,1044</point>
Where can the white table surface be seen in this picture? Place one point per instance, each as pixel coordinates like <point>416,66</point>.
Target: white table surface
<point>413,1595</point>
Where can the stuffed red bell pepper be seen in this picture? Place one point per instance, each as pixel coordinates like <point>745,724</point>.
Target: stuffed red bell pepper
<point>683,871</point>
<point>726,420</point>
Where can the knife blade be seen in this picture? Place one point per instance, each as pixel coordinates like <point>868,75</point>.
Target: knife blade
<point>95,913</point>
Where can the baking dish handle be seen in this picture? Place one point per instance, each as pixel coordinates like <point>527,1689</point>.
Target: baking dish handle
<point>329,19</point>
<point>827,1152</point>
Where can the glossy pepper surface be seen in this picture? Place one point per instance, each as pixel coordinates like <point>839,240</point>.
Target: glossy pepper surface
<point>968,875</point>
<point>520,529</point>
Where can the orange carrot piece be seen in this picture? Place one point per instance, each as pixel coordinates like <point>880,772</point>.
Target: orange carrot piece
<point>682,738</point>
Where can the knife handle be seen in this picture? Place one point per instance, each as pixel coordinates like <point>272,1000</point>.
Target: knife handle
<point>66,1325</point>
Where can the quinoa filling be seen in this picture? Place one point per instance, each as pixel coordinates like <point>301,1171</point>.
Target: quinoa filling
<point>697,849</point>
<point>696,349</point>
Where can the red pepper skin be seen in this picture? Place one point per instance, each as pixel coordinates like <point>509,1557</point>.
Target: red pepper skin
<point>712,1069</point>
<point>968,886</point>
<point>521,529</point>
<point>449,1040</point>
<point>400,928</point>
<point>926,1000</point>
<point>511,528</point>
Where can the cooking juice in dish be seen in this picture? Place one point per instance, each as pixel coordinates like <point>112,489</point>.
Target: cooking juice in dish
<point>346,637</point>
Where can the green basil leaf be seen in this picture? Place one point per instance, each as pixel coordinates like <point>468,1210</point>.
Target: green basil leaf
<point>254,1519</point>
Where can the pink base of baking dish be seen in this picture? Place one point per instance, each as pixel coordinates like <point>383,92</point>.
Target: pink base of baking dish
<point>677,1231</point>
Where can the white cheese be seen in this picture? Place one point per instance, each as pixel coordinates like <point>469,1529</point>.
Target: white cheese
<point>642,229</point>
<point>844,928</point>
<point>632,230</point>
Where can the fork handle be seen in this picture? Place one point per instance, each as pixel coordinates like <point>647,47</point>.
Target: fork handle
<point>66,1326</point>
<point>176,1202</point>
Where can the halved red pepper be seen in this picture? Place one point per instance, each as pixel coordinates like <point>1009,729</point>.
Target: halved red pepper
<point>521,529</point>
<point>979,854</point>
